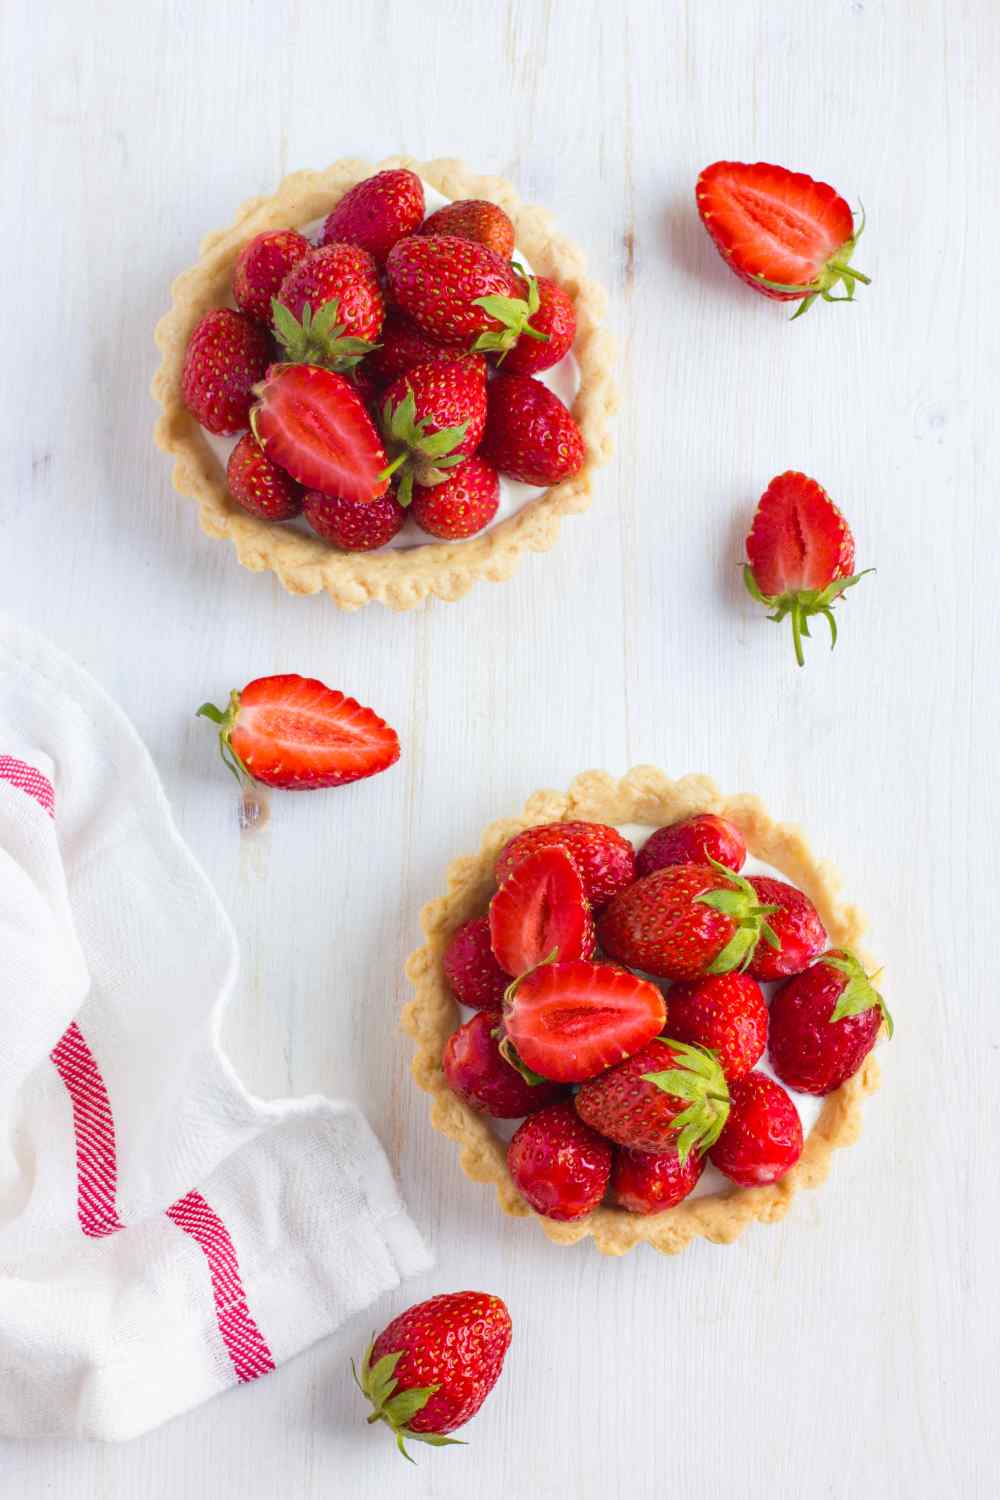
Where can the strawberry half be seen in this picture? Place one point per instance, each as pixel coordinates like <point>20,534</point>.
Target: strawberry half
<point>540,913</point>
<point>800,555</point>
<point>296,733</point>
<point>570,1021</point>
<point>782,233</point>
<point>314,425</point>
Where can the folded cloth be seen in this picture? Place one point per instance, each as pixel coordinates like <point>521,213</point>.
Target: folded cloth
<point>163,1234</point>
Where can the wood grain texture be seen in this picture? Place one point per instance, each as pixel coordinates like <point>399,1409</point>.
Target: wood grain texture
<point>851,1350</point>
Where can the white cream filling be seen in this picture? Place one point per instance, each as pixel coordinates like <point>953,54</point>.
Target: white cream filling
<point>563,378</point>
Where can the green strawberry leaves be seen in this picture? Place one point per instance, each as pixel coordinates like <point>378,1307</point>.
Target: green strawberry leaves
<point>859,994</point>
<point>422,457</point>
<point>317,339</point>
<point>802,605</point>
<point>700,1081</point>
<point>396,1407</point>
<point>838,271</point>
<point>510,1054</point>
<point>739,902</point>
<point>514,313</point>
<point>226,719</point>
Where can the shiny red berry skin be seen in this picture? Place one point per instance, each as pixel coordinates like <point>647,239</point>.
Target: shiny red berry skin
<point>262,266</point>
<point>797,926</point>
<point>260,486</point>
<point>471,969</point>
<point>352,525</point>
<point>603,856</point>
<point>559,1165</point>
<point>227,354</point>
<point>724,1012</point>
<point>762,1138</point>
<point>478,1073</point>
<point>688,843</point>
<point>810,1052</point>
<point>402,345</point>
<point>556,317</point>
<point>377,212</point>
<point>456,1342</point>
<point>645,1182</point>
<point>343,272</point>
<point>530,435</point>
<point>462,504</point>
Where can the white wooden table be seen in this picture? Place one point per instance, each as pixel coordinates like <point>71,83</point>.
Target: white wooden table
<point>851,1350</point>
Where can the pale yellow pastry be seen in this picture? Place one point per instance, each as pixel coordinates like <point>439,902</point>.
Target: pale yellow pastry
<point>401,577</point>
<point>646,797</point>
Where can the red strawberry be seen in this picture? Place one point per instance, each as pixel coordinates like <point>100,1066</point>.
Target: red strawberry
<point>226,355</point>
<point>258,485</point>
<point>800,555</point>
<point>571,1020</point>
<point>795,923</point>
<point>725,1013</point>
<point>313,423</point>
<point>691,842</point>
<point>377,212</point>
<point>473,219</point>
<point>665,1097</point>
<point>782,233</point>
<point>550,312</point>
<point>685,921</point>
<point>605,858</point>
<point>432,1368</point>
<point>294,732</point>
<point>402,345</point>
<point>262,266</point>
<point>471,969</point>
<point>462,504</point>
<point>824,1023</point>
<point>762,1138</point>
<point>539,912</point>
<point>351,526</point>
<point>558,1163</point>
<point>342,274</point>
<point>530,435</point>
<point>478,1072</point>
<point>432,417</point>
<point>442,281</point>
<point>646,1182</point>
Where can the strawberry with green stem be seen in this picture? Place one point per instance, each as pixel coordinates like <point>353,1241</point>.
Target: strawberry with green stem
<point>318,339</point>
<point>432,419</point>
<point>667,1096</point>
<point>824,1022</point>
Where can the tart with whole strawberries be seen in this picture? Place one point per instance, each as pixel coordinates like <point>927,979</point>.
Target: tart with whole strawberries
<point>643,1012</point>
<point>386,383</point>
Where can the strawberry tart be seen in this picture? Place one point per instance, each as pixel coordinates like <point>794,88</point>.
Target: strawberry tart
<point>643,1013</point>
<point>386,383</point>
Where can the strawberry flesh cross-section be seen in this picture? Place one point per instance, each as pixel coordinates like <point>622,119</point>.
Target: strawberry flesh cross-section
<point>541,913</point>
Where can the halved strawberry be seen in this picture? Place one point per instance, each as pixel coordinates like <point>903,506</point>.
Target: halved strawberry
<point>296,733</point>
<point>313,423</point>
<point>540,912</point>
<point>782,233</point>
<point>570,1021</point>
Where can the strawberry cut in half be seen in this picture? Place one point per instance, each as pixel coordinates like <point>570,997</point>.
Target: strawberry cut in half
<point>540,913</point>
<point>294,732</point>
<point>800,555</point>
<point>570,1021</point>
<point>314,425</point>
<point>785,235</point>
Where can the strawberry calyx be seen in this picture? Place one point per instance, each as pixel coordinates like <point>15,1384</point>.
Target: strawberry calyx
<point>396,1408</point>
<point>740,902</point>
<point>802,605</point>
<point>700,1081</point>
<point>225,718</point>
<point>318,339</point>
<point>510,1055</point>
<point>859,993</point>
<point>421,457</point>
<point>837,271</point>
<point>515,314</point>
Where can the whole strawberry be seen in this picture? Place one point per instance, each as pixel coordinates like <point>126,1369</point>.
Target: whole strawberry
<point>471,969</point>
<point>530,435</point>
<point>725,1013</point>
<point>762,1137</point>
<point>693,841</point>
<point>377,212</point>
<point>646,1182</point>
<point>258,485</point>
<point>342,274</point>
<point>432,1368</point>
<point>559,1165</point>
<point>352,525</point>
<point>666,1097</point>
<point>800,555</point>
<point>685,921</point>
<point>478,1072</point>
<point>462,504</point>
<point>796,924</point>
<point>442,281</point>
<point>262,266</point>
<point>824,1023</point>
<point>432,418</point>
<point>401,346</point>
<point>603,856</point>
<point>226,355</point>
<point>551,314</point>
<point>474,219</point>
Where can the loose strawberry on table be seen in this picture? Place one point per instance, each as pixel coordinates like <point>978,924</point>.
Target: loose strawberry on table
<point>262,266</point>
<point>473,219</point>
<point>646,1182</point>
<point>471,968</point>
<point>351,525</point>
<point>377,212</point>
<point>603,856</point>
<point>824,1023</point>
<point>569,1021</point>
<point>462,504</point>
<point>761,1139</point>
<point>313,423</point>
<point>258,485</point>
<point>432,1368</point>
<point>693,840</point>
<point>559,1165</point>
<point>296,733</point>
<point>478,1072</point>
<point>226,356</point>
<point>725,1013</point>
<point>540,912</point>
<point>668,1096</point>
<point>782,233</point>
<point>530,435</point>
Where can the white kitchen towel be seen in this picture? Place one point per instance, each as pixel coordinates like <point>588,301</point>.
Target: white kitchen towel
<point>163,1234</point>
